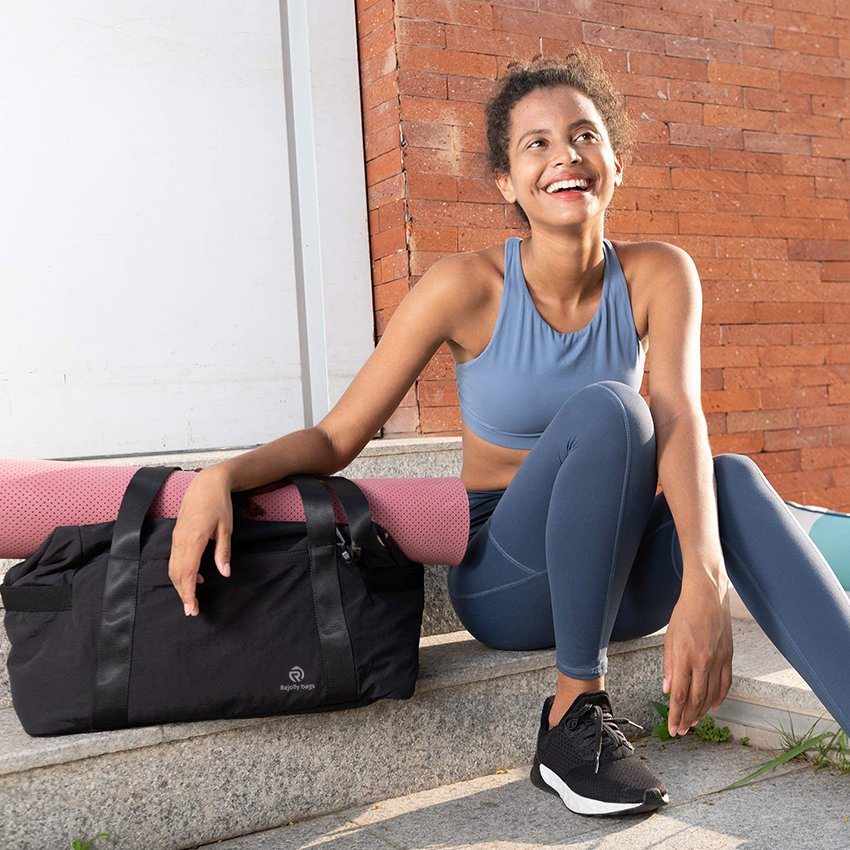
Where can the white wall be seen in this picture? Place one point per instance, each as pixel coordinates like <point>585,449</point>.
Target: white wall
<point>163,280</point>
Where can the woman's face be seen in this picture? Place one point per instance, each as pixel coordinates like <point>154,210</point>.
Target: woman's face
<point>556,132</point>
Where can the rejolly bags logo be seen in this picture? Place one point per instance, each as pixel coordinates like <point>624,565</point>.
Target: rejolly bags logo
<point>296,675</point>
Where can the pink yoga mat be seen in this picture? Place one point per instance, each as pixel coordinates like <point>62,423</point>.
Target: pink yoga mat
<point>427,517</point>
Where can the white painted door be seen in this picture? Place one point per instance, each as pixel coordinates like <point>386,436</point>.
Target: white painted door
<point>152,247</point>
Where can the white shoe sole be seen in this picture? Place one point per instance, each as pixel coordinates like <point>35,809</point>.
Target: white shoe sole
<point>551,782</point>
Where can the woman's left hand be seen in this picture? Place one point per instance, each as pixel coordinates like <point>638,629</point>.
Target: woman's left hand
<point>698,650</point>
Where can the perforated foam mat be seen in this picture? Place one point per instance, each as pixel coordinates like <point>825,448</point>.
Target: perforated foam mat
<point>427,517</point>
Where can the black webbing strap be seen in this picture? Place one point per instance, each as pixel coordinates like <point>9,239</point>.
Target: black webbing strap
<point>35,598</point>
<point>357,509</point>
<point>335,640</point>
<point>118,617</point>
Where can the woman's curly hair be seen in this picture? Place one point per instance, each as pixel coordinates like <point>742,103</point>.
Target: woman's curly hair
<point>581,70</point>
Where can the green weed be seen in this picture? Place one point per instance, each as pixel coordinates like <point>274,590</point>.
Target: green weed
<point>793,745</point>
<point>85,845</point>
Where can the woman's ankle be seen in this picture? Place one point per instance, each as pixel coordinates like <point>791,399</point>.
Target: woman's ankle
<point>566,692</point>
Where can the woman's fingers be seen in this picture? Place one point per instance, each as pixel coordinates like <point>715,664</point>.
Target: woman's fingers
<point>712,690</point>
<point>680,686</point>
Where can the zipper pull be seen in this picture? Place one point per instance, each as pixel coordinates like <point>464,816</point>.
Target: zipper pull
<point>343,545</point>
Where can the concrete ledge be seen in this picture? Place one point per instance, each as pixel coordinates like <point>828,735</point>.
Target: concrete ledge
<point>446,661</point>
<point>175,786</point>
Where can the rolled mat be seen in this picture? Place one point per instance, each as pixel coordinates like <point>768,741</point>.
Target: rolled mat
<point>427,517</point>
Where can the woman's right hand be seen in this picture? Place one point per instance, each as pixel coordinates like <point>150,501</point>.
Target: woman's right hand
<point>206,513</point>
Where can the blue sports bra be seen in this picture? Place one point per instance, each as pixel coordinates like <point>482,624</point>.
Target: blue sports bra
<point>512,390</point>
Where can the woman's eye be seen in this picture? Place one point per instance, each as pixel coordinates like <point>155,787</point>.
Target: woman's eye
<point>585,133</point>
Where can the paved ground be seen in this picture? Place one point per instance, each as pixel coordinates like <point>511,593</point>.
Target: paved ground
<point>791,807</point>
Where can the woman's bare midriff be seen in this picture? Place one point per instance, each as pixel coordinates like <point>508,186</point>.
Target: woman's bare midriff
<point>487,466</point>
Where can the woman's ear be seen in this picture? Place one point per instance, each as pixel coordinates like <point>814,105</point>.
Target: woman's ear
<point>618,164</point>
<point>506,187</point>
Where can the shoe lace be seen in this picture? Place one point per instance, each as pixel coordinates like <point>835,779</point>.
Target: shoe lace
<point>604,728</point>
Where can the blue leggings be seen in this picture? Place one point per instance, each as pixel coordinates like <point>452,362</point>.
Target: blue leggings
<point>579,550</point>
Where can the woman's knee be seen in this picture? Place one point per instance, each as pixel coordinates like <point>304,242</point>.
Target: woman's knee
<point>604,406</point>
<point>734,472</point>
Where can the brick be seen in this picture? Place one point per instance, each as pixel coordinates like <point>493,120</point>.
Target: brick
<point>440,419</point>
<point>385,192</point>
<point>589,10</point>
<point>757,334</point>
<point>422,84</point>
<point>757,376</point>
<point>379,91</point>
<point>734,247</point>
<point>702,48</point>
<point>390,294</point>
<point>825,457</point>
<point>371,17</point>
<point>378,41</point>
<point>471,89</point>
<point>395,266</point>
<point>732,116</point>
<point>384,166</point>
<point>384,141</point>
<point>821,333</point>
<point>538,23</point>
<point>469,139</point>
<point>804,312</point>
<point>446,61</point>
<point>811,84</point>
<point>478,190</point>
<point>701,136</point>
<point>726,400</point>
<point>778,461</point>
<point>435,187</point>
<point>796,438</point>
<point>741,443</point>
<point>423,134</point>
<point>388,242</point>
<point>726,225</point>
<point>623,39</point>
<point>379,66</point>
<point>702,92</point>
<point>442,112</point>
<point>786,143</point>
<point>448,11</point>
<point>665,22</point>
<point>764,420</point>
<point>839,394</point>
<point>668,66</point>
<point>728,312</point>
<point>796,270</point>
<point>772,184</point>
<point>422,33</point>
<point>798,356</point>
<point>777,101</point>
<point>812,125</point>
<point>698,178</point>
<point>728,355</point>
<point>436,214</point>
<point>803,42</point>
<point>787,227</point>
<point>738,31</point>
<point>421,261</point>
<point>813,479</point>
<point>742,75</point>
<point>438,393</point>
<point>404,420</point>
<point>774,397</point>
<point>391,215</point>
<point>439,239</point>
<point>833,414</point>
<point>489,41</point>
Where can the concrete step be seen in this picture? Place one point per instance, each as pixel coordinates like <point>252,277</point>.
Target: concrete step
<point>178,785</point>
<point>504,810</point>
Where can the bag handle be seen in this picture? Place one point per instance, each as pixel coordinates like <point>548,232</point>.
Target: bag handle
<point>115,644</point>
<point>357,509</point>
<point>118,612</point>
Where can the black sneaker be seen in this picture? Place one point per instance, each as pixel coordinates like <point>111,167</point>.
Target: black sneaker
<point>590,764</point>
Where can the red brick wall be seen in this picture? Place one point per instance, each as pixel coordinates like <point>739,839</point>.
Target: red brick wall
<point>742,161</point>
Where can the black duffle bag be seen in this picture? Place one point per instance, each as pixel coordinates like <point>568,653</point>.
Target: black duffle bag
<point>315,616</point>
